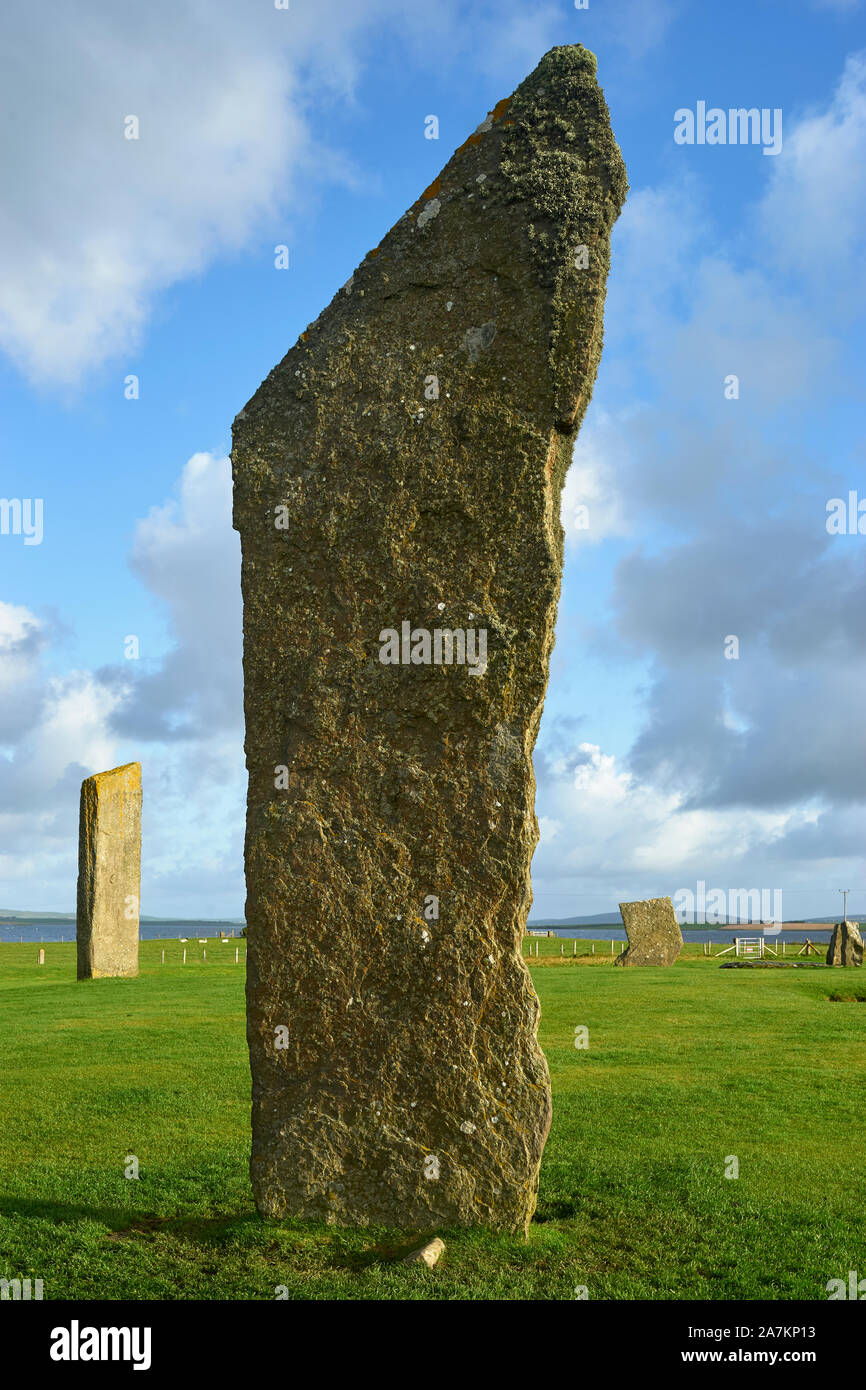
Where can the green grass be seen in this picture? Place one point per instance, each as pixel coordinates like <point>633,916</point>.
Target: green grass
<point>685,1067</point>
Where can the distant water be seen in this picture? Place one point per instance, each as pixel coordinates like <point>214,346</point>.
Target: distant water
<point>713,934</point>
<point>36,930</point>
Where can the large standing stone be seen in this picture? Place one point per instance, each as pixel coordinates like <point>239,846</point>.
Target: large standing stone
<point>846,945</point>
<point>654,936</point>
<point>109,873</point>
<point>397,491</point>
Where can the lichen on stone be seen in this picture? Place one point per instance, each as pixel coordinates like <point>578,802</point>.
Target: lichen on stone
<point>411,1042</point>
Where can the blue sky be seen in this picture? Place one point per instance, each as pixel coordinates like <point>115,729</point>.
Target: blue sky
<point>660,762</point>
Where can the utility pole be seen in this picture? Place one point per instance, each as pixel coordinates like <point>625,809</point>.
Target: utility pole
<point>844,892</point>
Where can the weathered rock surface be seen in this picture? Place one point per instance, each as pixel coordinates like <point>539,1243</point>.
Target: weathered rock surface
<point>846,945</point>
<point>428,1254</point>
<point>397,492</point>
<point>654,936</point>
<point>109,873</point>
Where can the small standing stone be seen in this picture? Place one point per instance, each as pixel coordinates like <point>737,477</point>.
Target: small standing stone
<point>109,873</point>
<point>41,960</point>
<point>846,945</point>
<point>654,936</point>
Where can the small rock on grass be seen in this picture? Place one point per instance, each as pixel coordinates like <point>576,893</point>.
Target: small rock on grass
<point>426,1254</point>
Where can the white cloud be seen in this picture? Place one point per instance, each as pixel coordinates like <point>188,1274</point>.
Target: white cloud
<point>67,740</point>
<point>592,506</point>
<point>94,224</point>
<point>53,731</point>
<point>619,838</point>
<point>741,771</point>
<point>548,829</point>
<point>616,833</point>
<point>813,214</point>
<point>738,482</point>
<point>186,553</point>
<point>22,637</point>
<point>74,730</point>
<point>683,303</point>
<point>56,730</point>
<point>17,628</point>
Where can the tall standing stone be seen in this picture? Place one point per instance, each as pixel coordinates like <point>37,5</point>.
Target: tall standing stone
<point>397,491</point>
<point>109,873</point>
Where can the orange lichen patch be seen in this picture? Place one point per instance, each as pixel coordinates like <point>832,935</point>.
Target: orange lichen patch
<point>304,337</point>
<point>374,252</point>
<point>498,111</point>
<point>473,139</point>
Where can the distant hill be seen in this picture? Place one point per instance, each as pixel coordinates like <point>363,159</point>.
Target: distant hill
<point>600,919</point>
<point>7,915</point>
<point>613,919</point>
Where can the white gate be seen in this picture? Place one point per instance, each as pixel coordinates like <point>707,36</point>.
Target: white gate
<point>749,945</point>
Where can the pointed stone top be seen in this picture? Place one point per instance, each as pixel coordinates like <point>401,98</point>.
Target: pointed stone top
<point>132,768</point>
<point>530,196</point>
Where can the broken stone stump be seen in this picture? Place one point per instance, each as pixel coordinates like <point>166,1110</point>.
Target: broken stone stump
<point>654,936</point>
<point>846,945</point>
<point>109,873</point>
<point>428,1254</point>
<point>397,492</point>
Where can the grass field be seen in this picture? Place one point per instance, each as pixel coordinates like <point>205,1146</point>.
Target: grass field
<point>685,1068</point>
